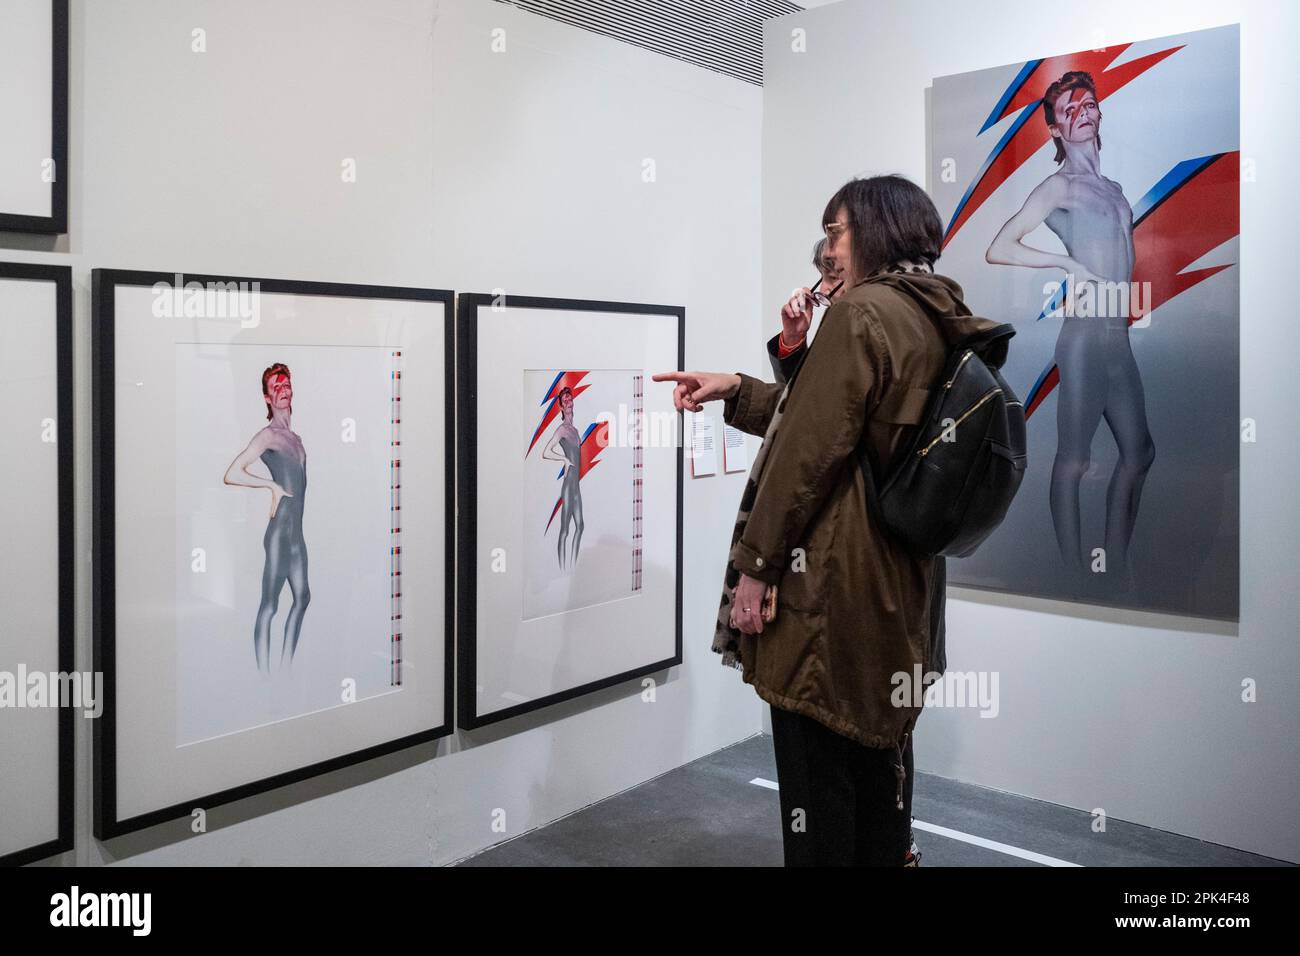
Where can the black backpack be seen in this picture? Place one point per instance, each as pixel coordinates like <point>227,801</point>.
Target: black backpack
<point>952,483</point>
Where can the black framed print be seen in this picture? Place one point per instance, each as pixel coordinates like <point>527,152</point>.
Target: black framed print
<point>570,499</point>
<point>40,693</point>
<point>274,533</point>
<point>34,114</point>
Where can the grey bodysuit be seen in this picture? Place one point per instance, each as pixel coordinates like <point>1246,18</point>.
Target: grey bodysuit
<point>570,498</point>
<point>1099,376</point>
<point>286,557</point>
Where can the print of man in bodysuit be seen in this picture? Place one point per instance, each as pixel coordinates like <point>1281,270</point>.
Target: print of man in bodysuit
<point>566,446</point>
<point>1098,374</point>
<point>282,452</point>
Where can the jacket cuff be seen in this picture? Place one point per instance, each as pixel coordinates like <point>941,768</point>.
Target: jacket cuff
<point>735,410</point>
<point>748,561</point>
<point>738,404</point>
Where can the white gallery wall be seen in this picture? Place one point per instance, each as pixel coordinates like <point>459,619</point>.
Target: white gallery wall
<point>1137,715</point>
<point>523,169</point>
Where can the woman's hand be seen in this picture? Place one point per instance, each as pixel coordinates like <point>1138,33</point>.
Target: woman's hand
<point>747,605</point>
<point>796,317</point>
<point>695,388</point>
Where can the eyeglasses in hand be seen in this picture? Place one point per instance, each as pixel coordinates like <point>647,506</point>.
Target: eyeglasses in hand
<point>823,298</point>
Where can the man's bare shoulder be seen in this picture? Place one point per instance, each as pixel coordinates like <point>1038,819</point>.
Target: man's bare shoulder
<point>1056,185</point>
<point>264,438</point>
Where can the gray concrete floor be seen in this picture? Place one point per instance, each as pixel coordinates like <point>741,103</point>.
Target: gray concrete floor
<point>710,813</point>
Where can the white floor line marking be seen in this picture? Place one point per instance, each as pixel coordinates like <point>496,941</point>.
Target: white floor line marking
<point>1006,848</point>
<point>934,828</point>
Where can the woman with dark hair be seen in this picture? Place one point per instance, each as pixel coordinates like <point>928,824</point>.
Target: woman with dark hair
<point>857,616</point>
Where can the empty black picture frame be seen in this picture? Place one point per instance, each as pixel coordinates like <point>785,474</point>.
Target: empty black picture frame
<point>57,222</point>
<point>468,309</point>
<point>107,823</point>
<point>61,276</point>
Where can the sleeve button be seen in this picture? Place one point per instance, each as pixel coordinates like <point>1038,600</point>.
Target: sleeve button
<point>758,562</point>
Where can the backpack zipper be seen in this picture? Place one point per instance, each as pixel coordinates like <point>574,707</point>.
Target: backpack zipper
<point>965,415</point>
<point>957,370</point>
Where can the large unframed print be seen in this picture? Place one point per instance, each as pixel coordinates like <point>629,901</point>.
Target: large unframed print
<point>1092,199</point>
<point>570,497</point>
<point>39,696</point>
<point>34,115</point>
<point>275,533</point>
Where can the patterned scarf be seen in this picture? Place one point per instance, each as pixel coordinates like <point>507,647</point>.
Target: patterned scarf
<point>726,639</point>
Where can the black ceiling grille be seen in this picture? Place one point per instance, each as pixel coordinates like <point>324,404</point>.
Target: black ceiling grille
<point>725,36</point>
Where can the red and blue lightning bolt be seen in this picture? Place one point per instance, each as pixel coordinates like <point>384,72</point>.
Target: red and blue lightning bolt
<point>1025,94</point>
<point>1192,210</point>
<point>594,440</point>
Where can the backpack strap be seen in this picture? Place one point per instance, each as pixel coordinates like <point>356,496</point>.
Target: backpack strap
<point>990,345</point>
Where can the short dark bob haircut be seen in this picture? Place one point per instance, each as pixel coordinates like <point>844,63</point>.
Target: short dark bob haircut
<point>891,218</point>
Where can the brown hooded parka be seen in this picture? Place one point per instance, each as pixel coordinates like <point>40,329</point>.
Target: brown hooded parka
<point>854,608</point>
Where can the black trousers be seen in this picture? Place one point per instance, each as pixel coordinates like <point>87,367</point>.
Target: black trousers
<point>839,799</point>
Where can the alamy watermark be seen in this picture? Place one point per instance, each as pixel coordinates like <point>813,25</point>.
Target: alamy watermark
<point>133,911</point>
<point>978,689</point>
<point>1099,298</point>
<point>208,300</point>
<point>629,429</point>
<point>39,689</point>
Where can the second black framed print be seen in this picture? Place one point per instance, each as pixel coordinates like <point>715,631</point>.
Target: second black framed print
<point>570,499</point>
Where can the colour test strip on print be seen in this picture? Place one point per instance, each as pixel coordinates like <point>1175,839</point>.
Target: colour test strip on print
<point>395,551</point>
<point>638,476</point>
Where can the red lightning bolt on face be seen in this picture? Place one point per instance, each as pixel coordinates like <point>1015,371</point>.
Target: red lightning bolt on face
<point>1082,108</point>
